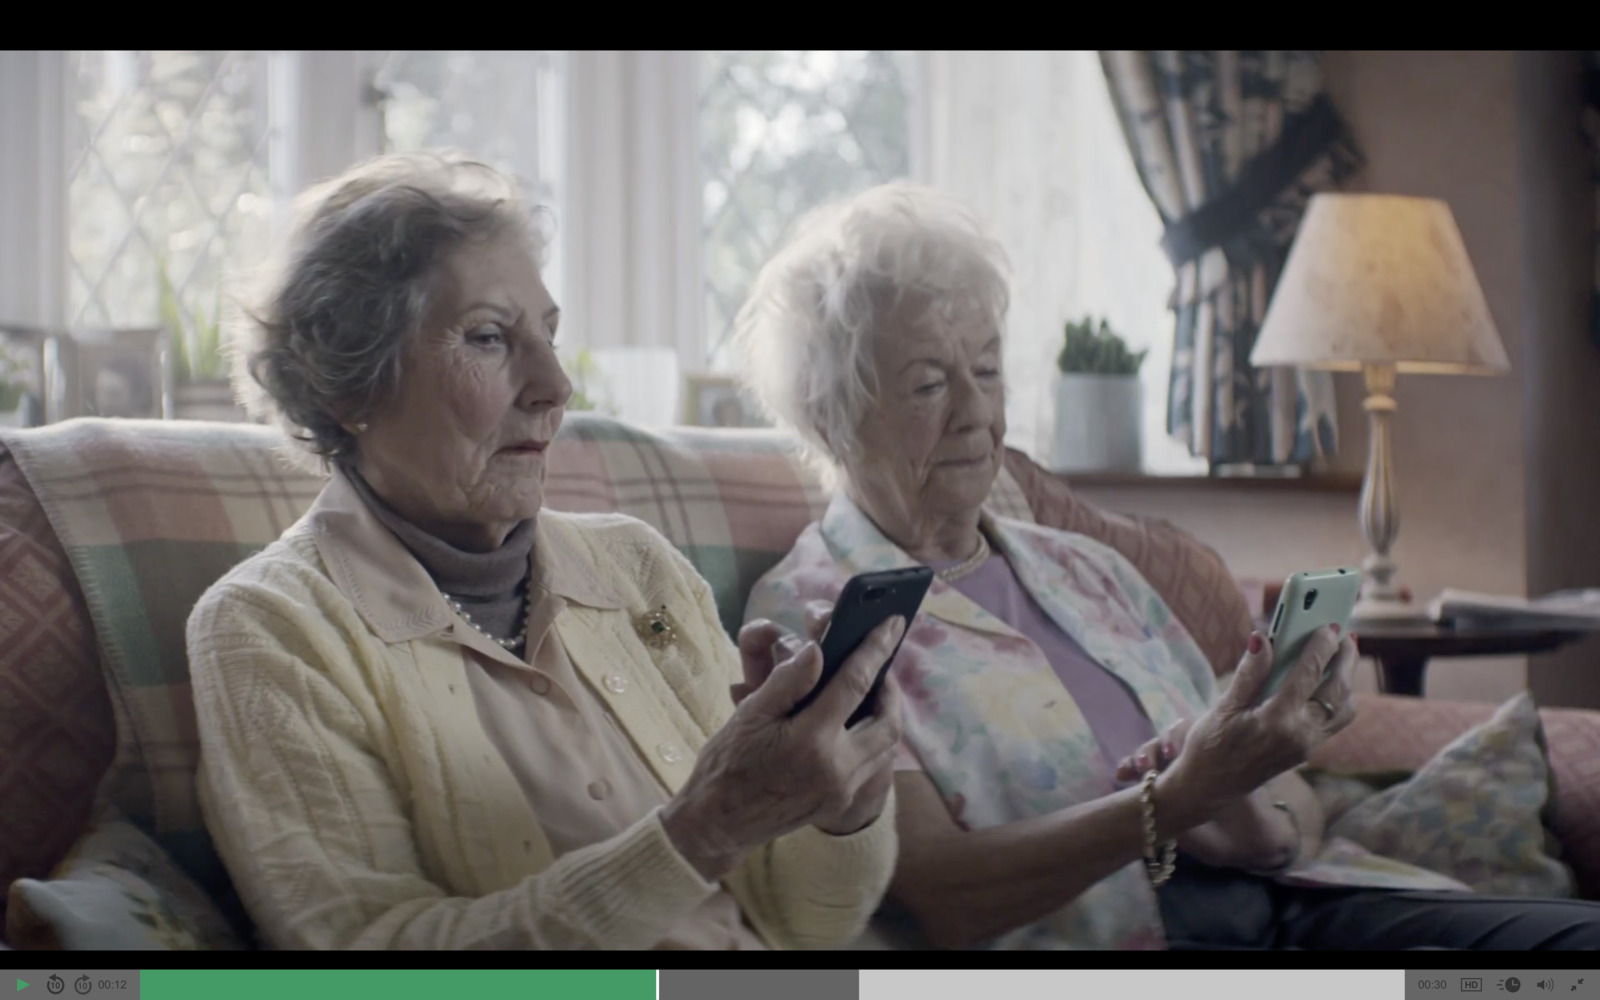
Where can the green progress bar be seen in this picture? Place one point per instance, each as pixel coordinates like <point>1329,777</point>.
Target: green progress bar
<point>398,984</point>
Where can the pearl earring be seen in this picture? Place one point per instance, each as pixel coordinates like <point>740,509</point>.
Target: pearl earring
<point>361,428</point>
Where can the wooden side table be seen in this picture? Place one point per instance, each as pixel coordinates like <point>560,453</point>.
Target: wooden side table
<point>1403,651</point>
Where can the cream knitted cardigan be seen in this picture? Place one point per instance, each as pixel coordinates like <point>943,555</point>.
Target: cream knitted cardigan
<point>358,803</point>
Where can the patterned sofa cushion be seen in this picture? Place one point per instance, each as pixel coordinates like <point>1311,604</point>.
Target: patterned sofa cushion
<point>150,513</point>
<point>1478,810</point>
<point>1403,734</point>
<point>116,891</point>
<point>56,730</point>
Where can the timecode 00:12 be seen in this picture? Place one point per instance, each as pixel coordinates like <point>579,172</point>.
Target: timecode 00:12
<point>83,985</point>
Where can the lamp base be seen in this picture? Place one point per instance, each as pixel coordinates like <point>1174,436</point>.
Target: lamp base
<point>1378,611</point>
<point>1383,602</point>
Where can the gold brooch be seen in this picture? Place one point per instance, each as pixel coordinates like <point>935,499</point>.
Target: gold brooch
<point>656,628</point>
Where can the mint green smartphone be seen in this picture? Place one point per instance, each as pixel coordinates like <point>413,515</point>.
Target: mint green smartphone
<point>1309,601</point>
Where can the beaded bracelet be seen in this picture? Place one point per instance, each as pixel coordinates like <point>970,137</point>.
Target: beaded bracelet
<point>1159,859</point>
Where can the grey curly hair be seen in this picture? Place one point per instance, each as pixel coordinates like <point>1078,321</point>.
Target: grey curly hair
<point>804,338</point>
<point>318,343</point>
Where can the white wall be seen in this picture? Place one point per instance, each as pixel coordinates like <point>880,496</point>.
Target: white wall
<point>1562,362</point>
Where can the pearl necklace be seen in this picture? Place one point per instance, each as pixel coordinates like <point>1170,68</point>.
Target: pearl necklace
<point>951,574</point>
<point>506,644</point>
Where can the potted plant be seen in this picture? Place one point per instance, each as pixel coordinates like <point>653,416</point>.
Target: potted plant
<point>1098,401</point>
<point>200,388</point>
<point>13,388</point>
<point>20,405</point>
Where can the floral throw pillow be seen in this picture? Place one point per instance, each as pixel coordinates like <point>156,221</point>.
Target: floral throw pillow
<point>117,890</point>
<point>1476,812</point>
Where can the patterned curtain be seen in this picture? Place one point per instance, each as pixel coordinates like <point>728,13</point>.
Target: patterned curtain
<point>1230,147</point>
<point>1591,121</point>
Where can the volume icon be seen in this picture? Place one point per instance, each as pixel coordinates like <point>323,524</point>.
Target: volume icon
<point>1548,985</point>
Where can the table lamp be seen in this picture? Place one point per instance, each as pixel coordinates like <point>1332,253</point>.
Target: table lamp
<point>1380,284</point>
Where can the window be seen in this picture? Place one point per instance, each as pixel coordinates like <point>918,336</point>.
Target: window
<point>781,133</point>
<point>504,108</point>
<point>1031,142</point>
<point>181,162</point>
<point>168,158</point>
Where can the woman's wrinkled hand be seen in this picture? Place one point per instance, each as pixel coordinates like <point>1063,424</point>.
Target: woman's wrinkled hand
<point>767,772</point>
<point>1245,741</point>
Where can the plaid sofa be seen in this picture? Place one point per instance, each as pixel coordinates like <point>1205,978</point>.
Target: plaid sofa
<point>110,530</point>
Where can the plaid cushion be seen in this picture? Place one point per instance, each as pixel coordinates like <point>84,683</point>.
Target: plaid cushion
<point>150,513</point>
<point>733,501</point>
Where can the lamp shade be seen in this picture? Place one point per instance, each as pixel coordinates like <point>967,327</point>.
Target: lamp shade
<point>1380,279</point>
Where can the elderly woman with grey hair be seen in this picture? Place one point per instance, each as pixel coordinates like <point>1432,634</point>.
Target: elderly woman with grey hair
<point>1070,775</point>
<point>433,715</point>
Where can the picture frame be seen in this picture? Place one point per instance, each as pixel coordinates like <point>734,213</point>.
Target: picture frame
<point>24,379</point>
<point>718,401</point>
<point>119,373</point>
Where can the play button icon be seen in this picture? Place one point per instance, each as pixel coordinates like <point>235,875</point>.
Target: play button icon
<point>21,986</point>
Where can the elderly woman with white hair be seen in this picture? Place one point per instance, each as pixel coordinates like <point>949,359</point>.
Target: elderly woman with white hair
<point>433,715</point>
<point>1070,776</point>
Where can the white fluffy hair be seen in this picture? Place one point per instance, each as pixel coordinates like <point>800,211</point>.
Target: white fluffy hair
<point>804,338</point>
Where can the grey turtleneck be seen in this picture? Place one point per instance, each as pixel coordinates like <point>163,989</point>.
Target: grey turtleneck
<point>491,586</point>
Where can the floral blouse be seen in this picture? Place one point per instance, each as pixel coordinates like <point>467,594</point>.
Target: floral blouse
<point>995,729</point>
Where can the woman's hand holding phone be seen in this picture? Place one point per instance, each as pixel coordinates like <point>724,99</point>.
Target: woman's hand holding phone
<point>771,770</point>
<point>865,751</point>
<point>1249,737</point>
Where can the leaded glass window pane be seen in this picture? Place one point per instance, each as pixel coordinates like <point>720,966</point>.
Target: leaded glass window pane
<point>504,108</point>
<point>168,157</point>
<point>781,133</point>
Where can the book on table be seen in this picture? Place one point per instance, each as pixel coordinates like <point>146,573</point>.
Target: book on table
<point>1566,610</point>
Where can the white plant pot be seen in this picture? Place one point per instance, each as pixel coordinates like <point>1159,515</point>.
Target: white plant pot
<point>1097,425</point>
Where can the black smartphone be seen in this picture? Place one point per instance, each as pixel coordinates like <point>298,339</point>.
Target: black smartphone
<point>866,602</point>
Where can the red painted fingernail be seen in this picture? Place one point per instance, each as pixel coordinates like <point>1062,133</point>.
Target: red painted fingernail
<point>1168,751</point>
<point>1336,629</point>
<point>1255,642</point>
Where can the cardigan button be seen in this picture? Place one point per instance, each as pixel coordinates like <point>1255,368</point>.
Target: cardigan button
<point>669,753</point>
<point>616,684</point>
<point>540,684</point>
<point>599,790</point>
